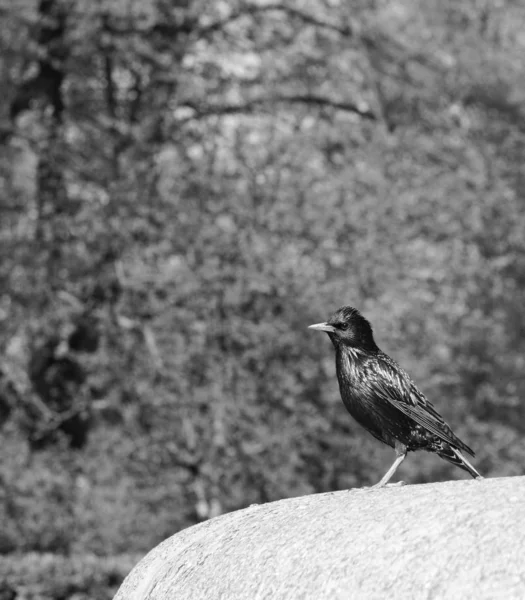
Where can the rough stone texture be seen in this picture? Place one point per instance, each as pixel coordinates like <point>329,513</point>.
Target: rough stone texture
<point>458,540</point>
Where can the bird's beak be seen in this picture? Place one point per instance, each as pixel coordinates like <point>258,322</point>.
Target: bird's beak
<point>322,327</point>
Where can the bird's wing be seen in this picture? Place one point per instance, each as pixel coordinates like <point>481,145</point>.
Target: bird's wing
<point>394,385</point>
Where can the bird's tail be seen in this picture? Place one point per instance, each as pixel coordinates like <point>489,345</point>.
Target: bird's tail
<point>454,456</point>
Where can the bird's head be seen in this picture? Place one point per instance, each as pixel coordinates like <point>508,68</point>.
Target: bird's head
<point>347,327</point>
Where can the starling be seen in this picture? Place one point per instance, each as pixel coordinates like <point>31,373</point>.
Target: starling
<point>383,399</point>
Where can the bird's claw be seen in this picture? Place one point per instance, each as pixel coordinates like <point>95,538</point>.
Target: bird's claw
<point>378,486</point>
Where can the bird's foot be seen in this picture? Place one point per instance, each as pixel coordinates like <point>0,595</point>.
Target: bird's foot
<point>380,485</point>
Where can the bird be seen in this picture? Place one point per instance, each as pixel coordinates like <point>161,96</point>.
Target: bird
<point>382,397</point>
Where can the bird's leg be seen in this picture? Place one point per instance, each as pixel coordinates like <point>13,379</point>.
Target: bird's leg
<point>401,452</point>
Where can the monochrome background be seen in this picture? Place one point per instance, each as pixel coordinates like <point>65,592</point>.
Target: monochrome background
<point>185,186</point>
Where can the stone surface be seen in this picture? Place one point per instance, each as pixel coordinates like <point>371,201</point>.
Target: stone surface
<point>461,539</point>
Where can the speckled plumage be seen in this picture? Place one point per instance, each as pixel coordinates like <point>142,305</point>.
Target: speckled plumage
<point>382,398</point>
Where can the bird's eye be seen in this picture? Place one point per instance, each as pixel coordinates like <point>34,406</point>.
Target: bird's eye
<point>343,326</point>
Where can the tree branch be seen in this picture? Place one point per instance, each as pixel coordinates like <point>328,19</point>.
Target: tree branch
<point>202,111</point>
<point>250,9</point>
<point>190,24</point>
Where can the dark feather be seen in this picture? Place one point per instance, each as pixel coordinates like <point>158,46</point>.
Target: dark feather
<point>394,385</point>
<point>454,456</point>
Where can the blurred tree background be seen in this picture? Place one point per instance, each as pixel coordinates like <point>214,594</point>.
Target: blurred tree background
<point>186,185</point>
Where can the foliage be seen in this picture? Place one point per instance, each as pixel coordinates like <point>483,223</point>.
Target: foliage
<point>48,576</point>
<point>184,187</point>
